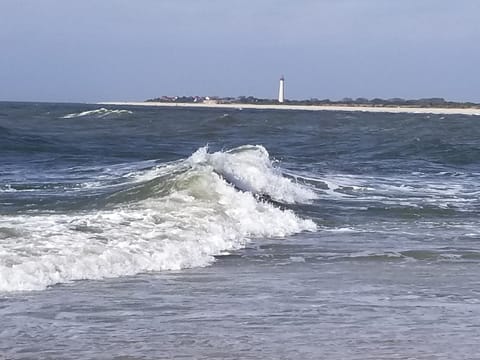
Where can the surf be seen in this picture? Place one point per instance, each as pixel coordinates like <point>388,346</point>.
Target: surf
<point>170,216</point>
<point>98,113</point>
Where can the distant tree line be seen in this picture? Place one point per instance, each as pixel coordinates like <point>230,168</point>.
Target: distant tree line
<point>393,102</point>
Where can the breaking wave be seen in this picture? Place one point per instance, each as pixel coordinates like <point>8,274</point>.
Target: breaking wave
<point>171,216</point>
<point>98,113</point>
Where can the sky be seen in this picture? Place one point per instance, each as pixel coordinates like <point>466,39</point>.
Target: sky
<point>130,50</point>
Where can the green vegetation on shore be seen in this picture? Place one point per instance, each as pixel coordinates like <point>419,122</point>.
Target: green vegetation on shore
<point>395,102</point>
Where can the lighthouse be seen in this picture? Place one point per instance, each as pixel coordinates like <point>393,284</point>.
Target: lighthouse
<point>281,90</point>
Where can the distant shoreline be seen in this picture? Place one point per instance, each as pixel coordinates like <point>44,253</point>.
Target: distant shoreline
<point>362,108</point>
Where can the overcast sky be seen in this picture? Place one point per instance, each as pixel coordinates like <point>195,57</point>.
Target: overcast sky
<point>94,50</point>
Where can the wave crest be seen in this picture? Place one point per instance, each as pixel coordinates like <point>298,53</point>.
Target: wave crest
<point>98,113</point>
<point>178,215</point>
<point>250,169</point>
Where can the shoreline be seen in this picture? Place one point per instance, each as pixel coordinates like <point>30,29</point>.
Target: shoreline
<point>374,109</point>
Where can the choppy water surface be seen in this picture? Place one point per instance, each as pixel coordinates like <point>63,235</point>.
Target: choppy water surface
<point>147,233</point>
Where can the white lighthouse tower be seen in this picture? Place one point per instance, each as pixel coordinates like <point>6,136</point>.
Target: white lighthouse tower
<point>281,90</point>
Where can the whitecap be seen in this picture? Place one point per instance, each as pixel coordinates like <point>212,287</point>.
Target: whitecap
<point>249,168</point>
<point>198,216</point>
<point>98,113</point>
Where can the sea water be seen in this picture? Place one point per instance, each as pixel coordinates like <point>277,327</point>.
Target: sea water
<point>155,233</point>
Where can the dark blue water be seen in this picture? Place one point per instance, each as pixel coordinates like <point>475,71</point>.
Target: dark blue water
<point>148,233</point>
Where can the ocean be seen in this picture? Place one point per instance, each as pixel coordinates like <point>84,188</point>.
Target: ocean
<point>160,233</point>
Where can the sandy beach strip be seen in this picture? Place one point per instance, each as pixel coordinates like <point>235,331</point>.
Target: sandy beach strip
<point>376,109</point>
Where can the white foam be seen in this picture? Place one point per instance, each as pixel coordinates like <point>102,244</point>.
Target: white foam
<point>100,113</point>
<point>201,216</point>
<point>7,188</point>
<point>249,168</point>
<point>405,190</point>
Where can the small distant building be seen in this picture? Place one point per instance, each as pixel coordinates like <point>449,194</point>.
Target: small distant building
<point>209,100</point>
<point>281,90</point>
